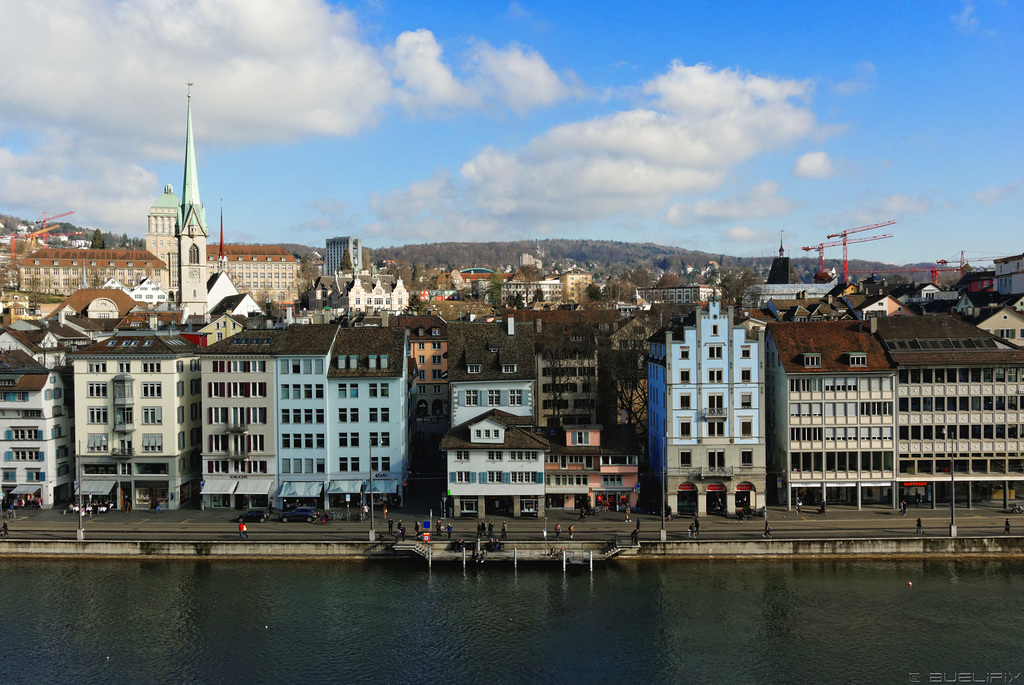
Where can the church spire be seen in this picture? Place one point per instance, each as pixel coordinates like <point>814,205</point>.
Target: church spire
<point>191,216</point>
<point>222,261</point>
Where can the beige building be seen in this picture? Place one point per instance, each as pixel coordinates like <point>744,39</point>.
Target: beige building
<point>138,420</point>
<point>62,272</point>
<point>574,285</point>
<point>263,271</point>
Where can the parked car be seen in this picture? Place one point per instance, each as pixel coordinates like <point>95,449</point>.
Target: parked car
<point>253,515</point>
<point>307,514</point>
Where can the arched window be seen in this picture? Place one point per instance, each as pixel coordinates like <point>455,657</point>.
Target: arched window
<point>193,254</point>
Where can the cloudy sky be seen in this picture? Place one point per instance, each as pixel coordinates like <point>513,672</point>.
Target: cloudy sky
<point>707,124</point>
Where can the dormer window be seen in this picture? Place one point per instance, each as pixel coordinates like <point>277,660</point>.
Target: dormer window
<point>812,360</point>
<point>581,437</point>
<point>509,368</point>
<point>858,359</point>
<point>472,368</point>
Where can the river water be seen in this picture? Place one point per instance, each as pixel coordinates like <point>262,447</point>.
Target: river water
<point>98,621</point>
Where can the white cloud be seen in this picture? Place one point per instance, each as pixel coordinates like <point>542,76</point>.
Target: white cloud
<point>992,195</point>
<point>517,76</point>
<point>813,165</point>
<point>863,79</point>
<point>696,125</point>
<point>905,204</point>
<point>966,21</point>
<point>428,83</point>
<point>759,202</point>
<point>743,234</point>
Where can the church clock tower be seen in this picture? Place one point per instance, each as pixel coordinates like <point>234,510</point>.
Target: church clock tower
<point>191,232</point>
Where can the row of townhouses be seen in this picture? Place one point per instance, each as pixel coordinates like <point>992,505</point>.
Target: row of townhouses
<point>740,413</point>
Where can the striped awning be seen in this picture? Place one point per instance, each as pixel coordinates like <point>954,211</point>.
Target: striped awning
<point>301,489</point>
<point>254,486</point>
<point>218,486</point>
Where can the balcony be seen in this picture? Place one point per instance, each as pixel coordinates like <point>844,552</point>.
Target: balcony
<point>122,453</point>
<point>715,411</point>
<point>124,427</point>
<point>716,472</point>
<point>238,427</point>
<point>238,453</point>
<point>123,400</point>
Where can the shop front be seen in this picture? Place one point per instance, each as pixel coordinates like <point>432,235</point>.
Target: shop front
<point>715,499</point>
<point>300,494</point>
<point>686,499</point>
<point>745,496</point>
<point>216,492</point>
<point>347,493</point>
<point>26,496</point>
<point>150,494</point>
<point>253,493</point>
<point>385,490</point>
<point>618,499</point>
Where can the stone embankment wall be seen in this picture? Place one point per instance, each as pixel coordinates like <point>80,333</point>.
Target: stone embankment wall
<point>868,547</point>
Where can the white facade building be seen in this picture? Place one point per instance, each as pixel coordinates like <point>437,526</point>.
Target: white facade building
<point>491,366</point>
<point>37,467</point>
<point>706,415</point>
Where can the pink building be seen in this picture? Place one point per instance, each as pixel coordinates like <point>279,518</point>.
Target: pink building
<point>591,466</point>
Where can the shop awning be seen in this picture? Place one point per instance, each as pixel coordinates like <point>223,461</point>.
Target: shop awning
<point>254,486</point>
<point>25,490</point>
<point>382,486</point>
<point>877,484</point>
<point>97,487</point>
<point>346,487</point>
<point>301,489</point>
<point>218,486</point>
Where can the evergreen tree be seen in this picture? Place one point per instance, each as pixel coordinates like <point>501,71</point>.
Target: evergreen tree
<point>97,240</point>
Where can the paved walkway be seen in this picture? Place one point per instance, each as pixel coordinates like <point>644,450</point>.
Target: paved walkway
<point>982,520</point>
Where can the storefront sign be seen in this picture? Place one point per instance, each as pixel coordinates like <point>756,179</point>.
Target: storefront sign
<point>716,487</point>
<point>744,487</point>
<point>687,487</point>
<point>915,484</point>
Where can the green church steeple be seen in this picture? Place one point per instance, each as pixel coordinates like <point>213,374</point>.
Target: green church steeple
<point>191,214</point>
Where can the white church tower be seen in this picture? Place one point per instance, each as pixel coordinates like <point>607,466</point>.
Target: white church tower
<point>191,232</point>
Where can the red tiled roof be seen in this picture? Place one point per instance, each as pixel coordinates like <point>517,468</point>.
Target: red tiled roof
<point>833,340</point>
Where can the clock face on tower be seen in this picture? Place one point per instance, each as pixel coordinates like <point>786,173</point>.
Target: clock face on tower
<point>193,274</point>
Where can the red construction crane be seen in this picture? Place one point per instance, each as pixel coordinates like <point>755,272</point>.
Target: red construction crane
<point>934,270</point>
<point>43,228</point>
<point>844,242</point>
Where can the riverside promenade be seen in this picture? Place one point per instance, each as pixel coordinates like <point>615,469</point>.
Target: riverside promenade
<point>869,532</point>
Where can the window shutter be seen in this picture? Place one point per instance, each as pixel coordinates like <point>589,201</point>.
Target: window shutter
<point>8,455</point>
<point>472,475</point>
<point>8,434</point>
<point>40,456</point>
<point>209,413</point>
<point>483,476</point>
<point>452,476</point>
<point>506,477</point>
<point>540,477</point>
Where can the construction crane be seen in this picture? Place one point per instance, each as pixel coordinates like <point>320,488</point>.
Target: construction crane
<point>847,232</point>
<point>43,228</point>
<point>933,270</point>
<point>844,242</point>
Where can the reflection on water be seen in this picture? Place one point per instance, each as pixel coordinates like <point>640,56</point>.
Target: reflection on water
<point>90,621</point>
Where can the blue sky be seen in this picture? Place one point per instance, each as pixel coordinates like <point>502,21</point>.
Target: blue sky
<point>706,125</point>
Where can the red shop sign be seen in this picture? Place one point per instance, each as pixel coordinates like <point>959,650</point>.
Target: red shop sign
<point>744,487</point>
<point>915,484</point>
<point>716,487</point>
<point>688,487</point>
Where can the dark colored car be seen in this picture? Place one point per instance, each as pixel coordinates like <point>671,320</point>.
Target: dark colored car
<point>253,515</point>
<point>307,514</point>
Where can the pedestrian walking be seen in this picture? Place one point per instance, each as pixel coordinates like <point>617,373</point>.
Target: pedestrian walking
<point>490,528</point>
<point>449,530</point>
<point>391,525</point>
<point>635,535</point>
<point>242,534</point>
<point>920,529</point>
<point>572,530</point>
<point>385,511</point>
<point>558,530</point>
<point>917,499</point>
<point>696,525</point>
<point>767,530</point>
<point>798,503</point>
<point>4,532</point>
<point>689,531</point>
<point>504,529</point>
<point>1006,528</point>
<point>627,513</point>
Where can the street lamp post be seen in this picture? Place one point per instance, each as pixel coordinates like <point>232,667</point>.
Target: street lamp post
<point>81,511</point>
<point>664,495</point>
<point>373,533</point>
<point>952,500</point>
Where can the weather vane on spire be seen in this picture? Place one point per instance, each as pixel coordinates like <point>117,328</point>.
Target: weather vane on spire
<point>189,84</point>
